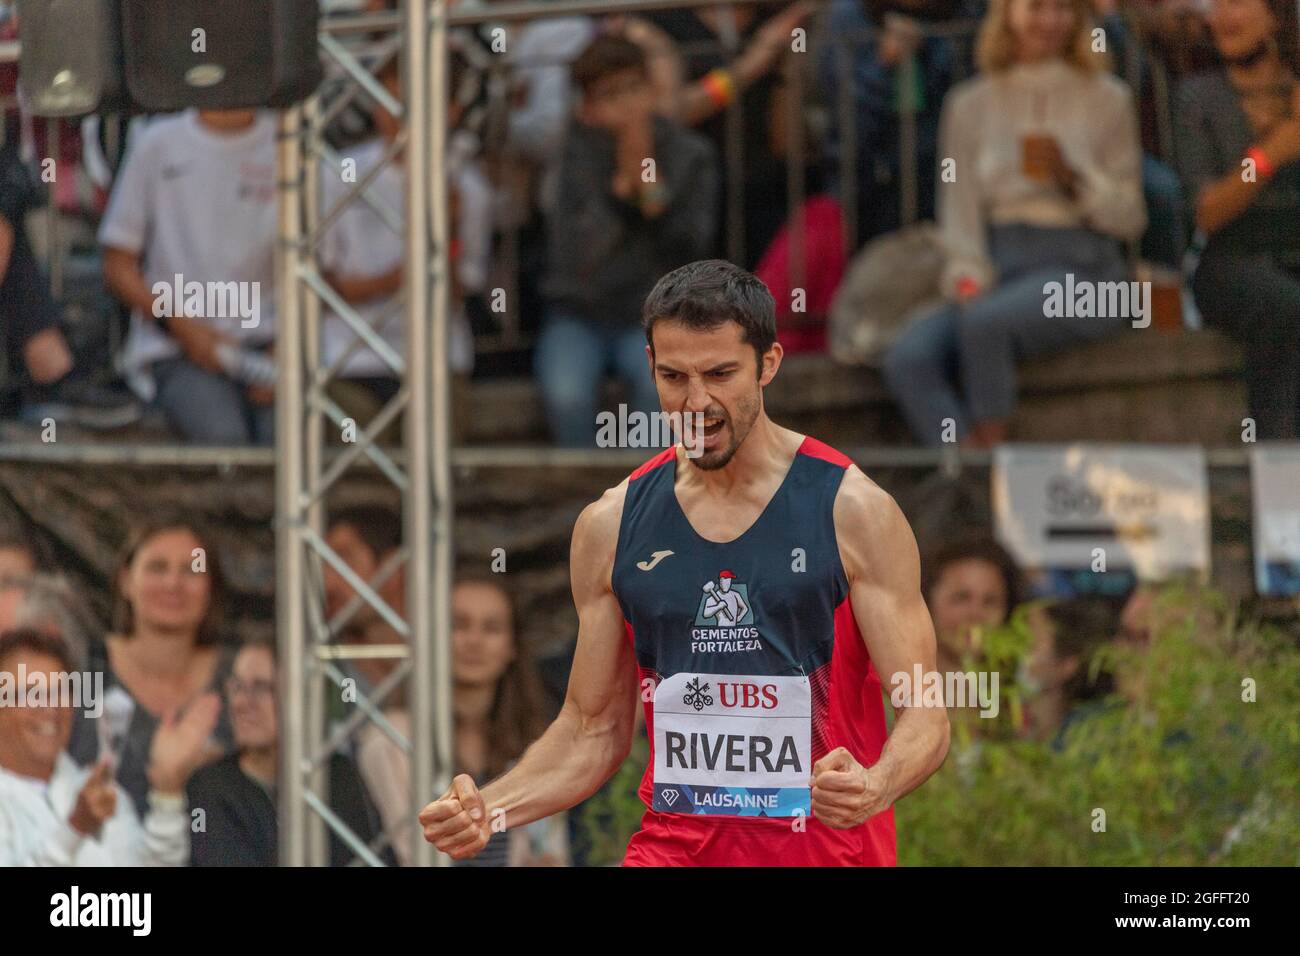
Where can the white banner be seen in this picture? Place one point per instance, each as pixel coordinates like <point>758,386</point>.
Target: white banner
<point>1275,488</point>
<point>1139,507</point>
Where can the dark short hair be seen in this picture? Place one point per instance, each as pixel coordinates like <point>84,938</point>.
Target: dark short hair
<point>377,525</point>
<point>37,642</point>
<point>709,293</point>
<point>607,54</point>
<point>972,548</point>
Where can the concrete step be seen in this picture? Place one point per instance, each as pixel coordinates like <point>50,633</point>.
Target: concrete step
<point>1142,385</point>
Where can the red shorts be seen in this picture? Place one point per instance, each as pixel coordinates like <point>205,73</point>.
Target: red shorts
<point>678,839</point>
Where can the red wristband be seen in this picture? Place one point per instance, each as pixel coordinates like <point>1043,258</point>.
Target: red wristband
<point>1263,165</point>
<point>967,287</point>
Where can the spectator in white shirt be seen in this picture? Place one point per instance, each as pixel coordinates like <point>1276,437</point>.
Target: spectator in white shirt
<point>55,813</point>
<point>363,257</point>
<point>1040,180</point>
<point>196,199</point>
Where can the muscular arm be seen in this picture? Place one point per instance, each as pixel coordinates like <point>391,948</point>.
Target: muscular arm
<point>884,571</point>
<point>593,733</point>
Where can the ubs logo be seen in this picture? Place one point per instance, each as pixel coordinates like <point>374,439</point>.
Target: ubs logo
<point>748,696</point>
<point>734,695</point>
<point>697,696</point>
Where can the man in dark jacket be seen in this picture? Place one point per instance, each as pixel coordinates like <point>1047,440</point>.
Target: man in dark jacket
<point>636,198</point>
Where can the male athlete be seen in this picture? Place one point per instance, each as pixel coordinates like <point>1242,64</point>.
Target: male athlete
<point>767,727</point>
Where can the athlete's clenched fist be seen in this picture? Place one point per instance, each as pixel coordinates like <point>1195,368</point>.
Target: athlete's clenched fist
<point>845,793</point>
<point>457,822</point>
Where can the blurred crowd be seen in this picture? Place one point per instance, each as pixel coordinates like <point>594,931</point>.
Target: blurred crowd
<point>178,760</point>
<point>1095,139</point>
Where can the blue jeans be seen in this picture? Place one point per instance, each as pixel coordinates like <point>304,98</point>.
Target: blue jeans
<point>1165,238</point>
<point>573,355</point>
<point>206,408</point>
<point>959,362</point>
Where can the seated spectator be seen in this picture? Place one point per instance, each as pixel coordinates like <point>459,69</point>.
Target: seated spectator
<point>47,603</point>
<point>1056,678</point>
<point>163,657</point>
<point>1165,237</point>
<point>707,61</point>
<point>367,539</point>
<point>363,258</point>
<point>499,711</point>
<point>196,199</point>
<point>1046,185</point>
<point>527,101</point>
<point>54,813</point>
<point>1238,136</point>
<point>237,793</point>
<point>969,584</point>
<point>614,231</point>
<point>36,352</point>
<point>876,55</point>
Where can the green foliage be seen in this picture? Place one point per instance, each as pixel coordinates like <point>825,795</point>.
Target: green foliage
<point>609,818</point>
<point>1186,772</point>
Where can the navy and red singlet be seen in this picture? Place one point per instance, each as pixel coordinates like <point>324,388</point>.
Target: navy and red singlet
<point>752,668</point>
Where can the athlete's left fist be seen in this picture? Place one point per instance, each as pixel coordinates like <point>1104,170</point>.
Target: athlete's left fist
<point>845,793</point>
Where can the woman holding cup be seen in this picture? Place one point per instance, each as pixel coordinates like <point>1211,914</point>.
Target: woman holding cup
<point>1039,180</point>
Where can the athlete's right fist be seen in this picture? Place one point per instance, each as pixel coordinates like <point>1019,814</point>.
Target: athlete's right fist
<point>457,822</point>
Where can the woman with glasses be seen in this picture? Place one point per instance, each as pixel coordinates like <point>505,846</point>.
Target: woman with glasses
<point>237,795</point>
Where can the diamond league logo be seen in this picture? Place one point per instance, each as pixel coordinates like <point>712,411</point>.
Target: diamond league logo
<point>669,796</point>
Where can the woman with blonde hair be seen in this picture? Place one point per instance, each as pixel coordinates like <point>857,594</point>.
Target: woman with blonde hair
<point>1039,182</point>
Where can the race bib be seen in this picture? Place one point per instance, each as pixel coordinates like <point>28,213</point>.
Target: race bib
<point>733,745</point>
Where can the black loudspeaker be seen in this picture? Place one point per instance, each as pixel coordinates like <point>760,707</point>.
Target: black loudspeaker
<point>71,62</point>
<point>220,54</point>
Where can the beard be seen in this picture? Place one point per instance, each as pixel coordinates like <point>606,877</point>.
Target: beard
<point>739,427</point>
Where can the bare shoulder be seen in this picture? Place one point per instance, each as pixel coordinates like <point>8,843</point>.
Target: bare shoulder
<point>873,533</point>
<point>595,538</point>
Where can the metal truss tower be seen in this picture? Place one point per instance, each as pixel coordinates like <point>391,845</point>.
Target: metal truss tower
<point>313,661</point>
